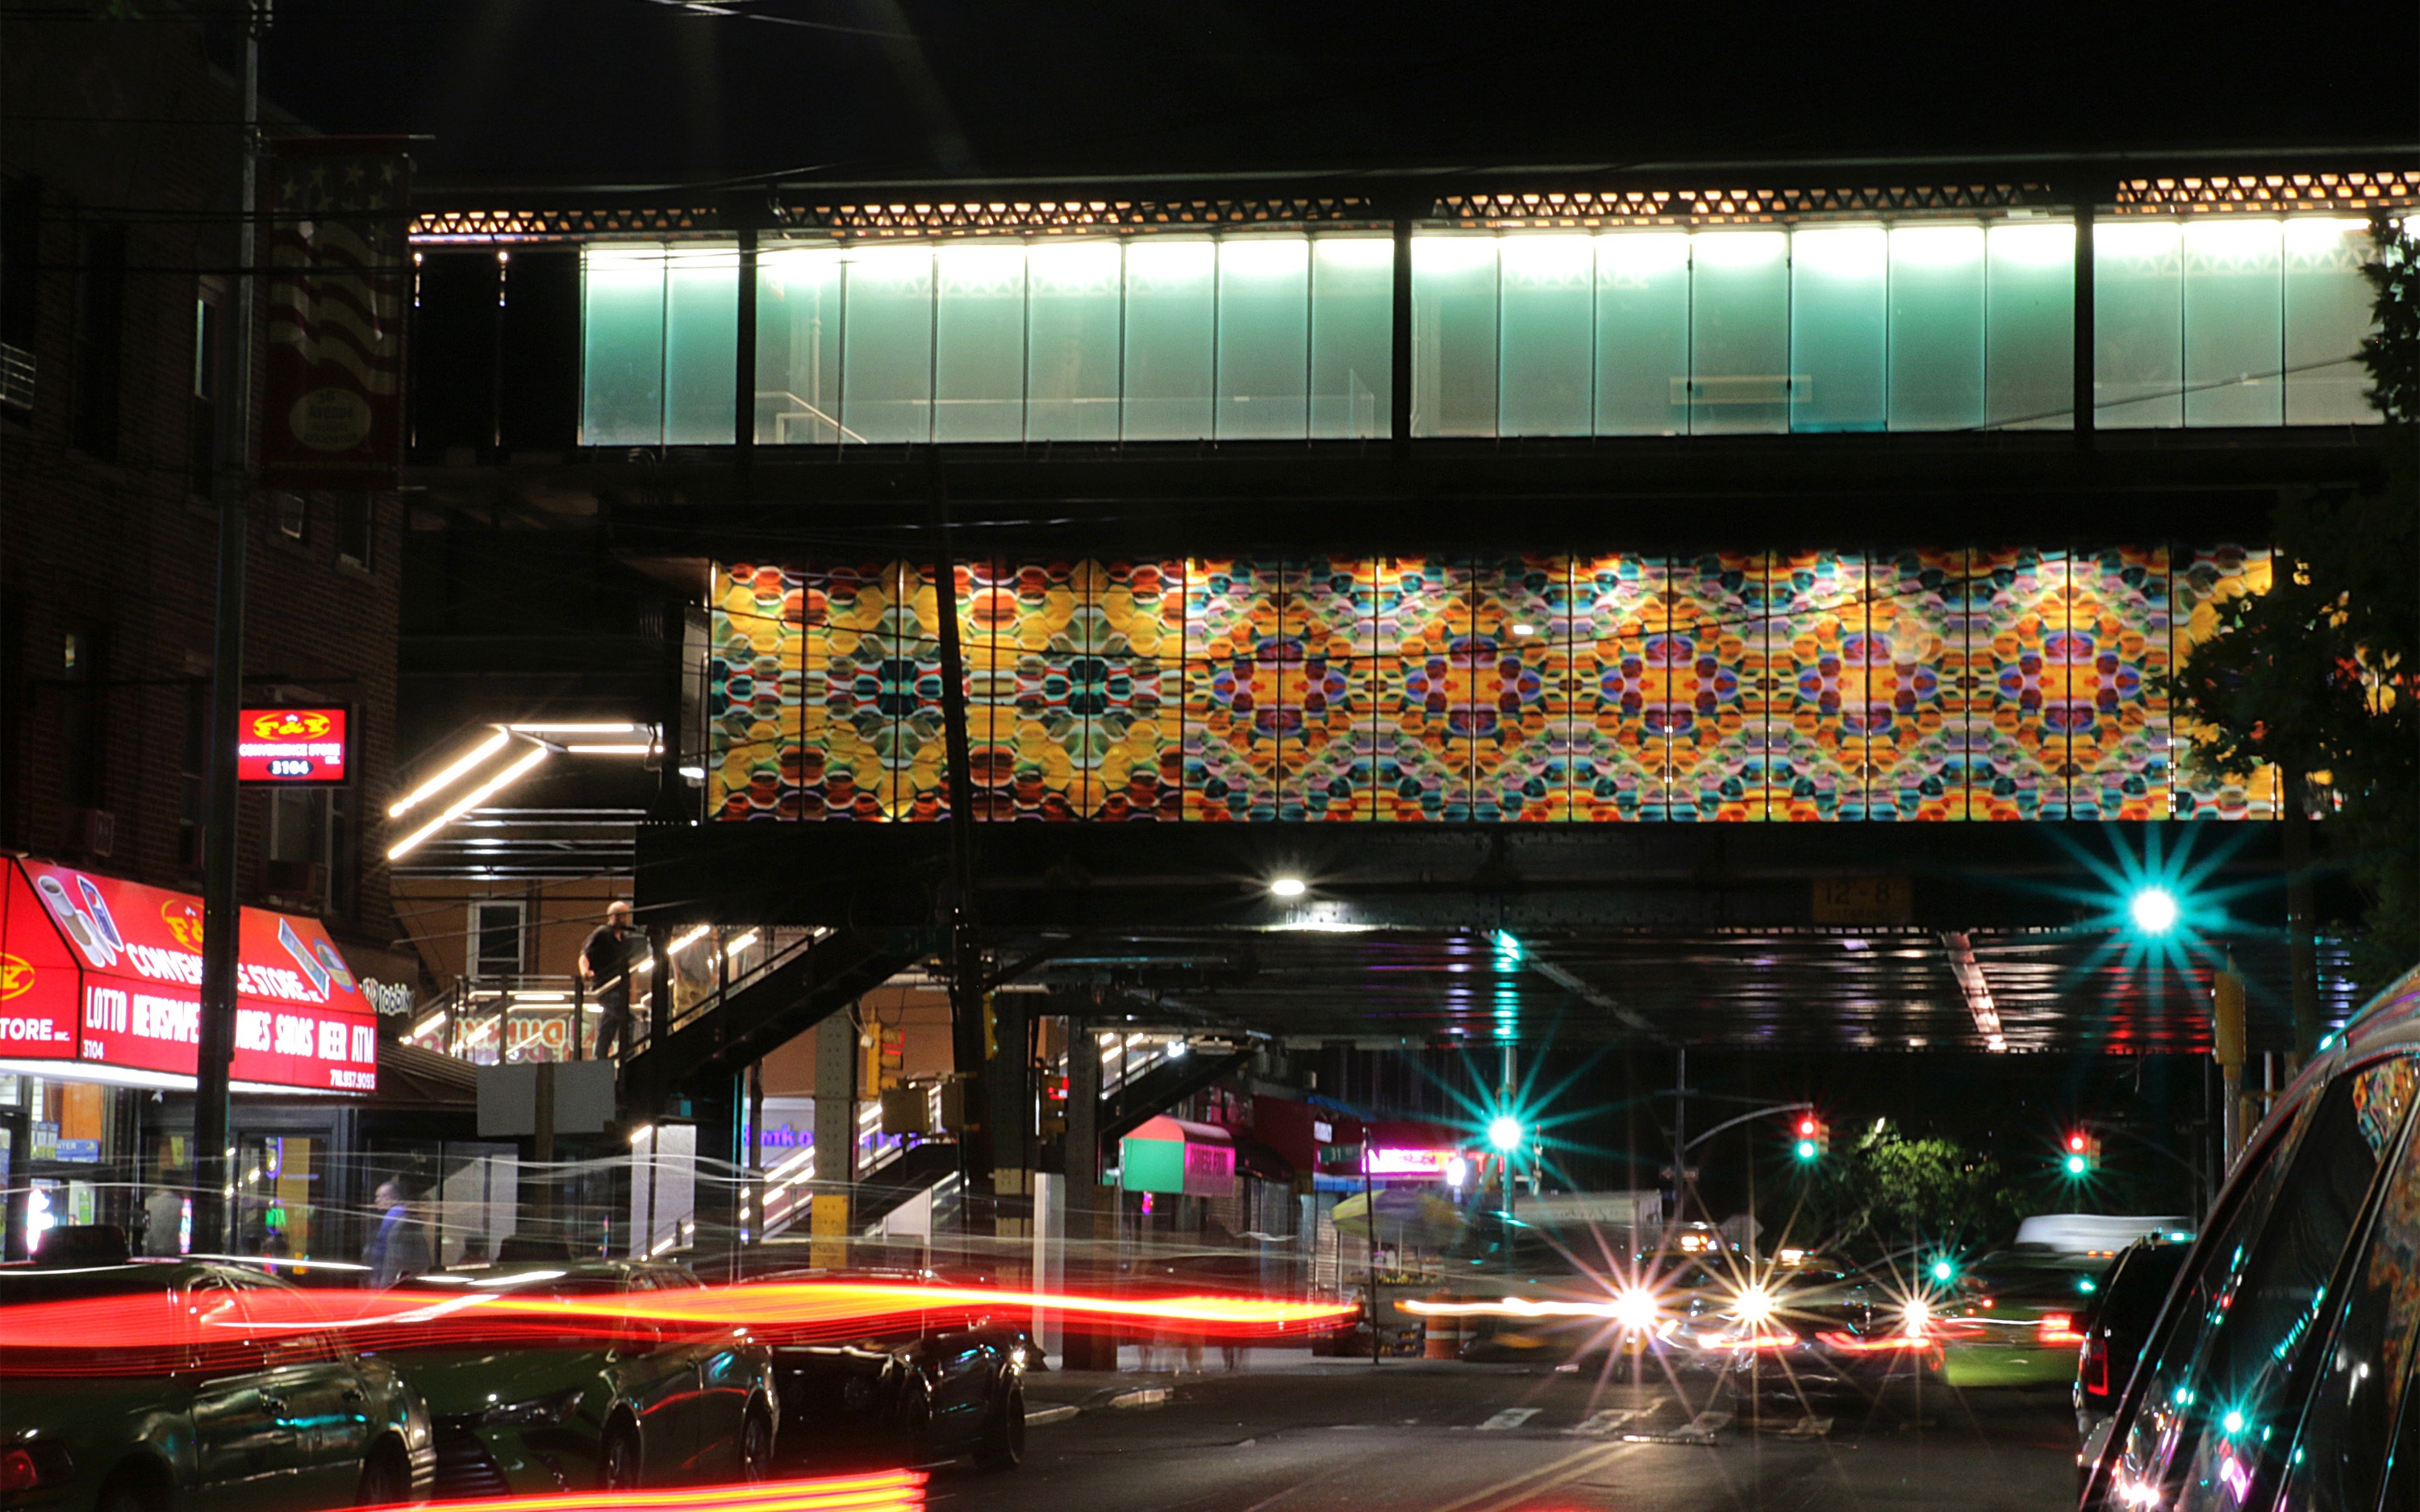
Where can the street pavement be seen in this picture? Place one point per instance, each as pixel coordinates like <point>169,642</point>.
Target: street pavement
<point>1288,1433</point>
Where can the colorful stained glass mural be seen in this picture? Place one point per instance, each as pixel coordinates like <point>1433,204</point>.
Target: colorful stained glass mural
<point>1982,683</point>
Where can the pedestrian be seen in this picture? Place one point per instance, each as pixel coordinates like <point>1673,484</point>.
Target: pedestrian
<point>163,1222</point>
<point>605,964</point>
<point>398,1249</point>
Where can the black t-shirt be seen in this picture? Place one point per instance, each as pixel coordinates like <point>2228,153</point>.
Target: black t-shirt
<point>608,954</point>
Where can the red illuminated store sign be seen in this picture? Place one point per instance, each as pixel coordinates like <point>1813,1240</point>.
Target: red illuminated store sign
<point>105,972</point>
<point>286,747</point>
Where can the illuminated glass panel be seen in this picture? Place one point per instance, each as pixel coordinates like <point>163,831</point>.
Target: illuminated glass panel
<point>701,344</point>
<point>1074,304</point>
<point>2234,322</point>
<point>798,346</point>
<point>1352,336</point>
<point>2328,312</point>
<point>979,343</point>
<point>1546,330</point>
<point>1739,332</point>
<point>1642,333</point>
<point>1936,327</point>
<point>1839,315</point>
<point>2139,324</point>
<point>622,376</point>
<point>1453,336</point>
<point>1263,338</point>
<point>1171,299</point>
<point>2029,326</point>
<point>887,344</point>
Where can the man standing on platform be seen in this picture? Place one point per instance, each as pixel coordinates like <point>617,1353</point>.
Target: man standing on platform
<point>605,964</point>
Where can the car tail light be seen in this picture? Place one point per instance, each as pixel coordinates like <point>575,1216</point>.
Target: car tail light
<point>2096,1367</point>
<point>2059,1327</point>
<point>25,1466</point>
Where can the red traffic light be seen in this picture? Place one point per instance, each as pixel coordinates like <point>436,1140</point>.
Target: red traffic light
<point>1808,1127</point>
<point>2075,1143</point>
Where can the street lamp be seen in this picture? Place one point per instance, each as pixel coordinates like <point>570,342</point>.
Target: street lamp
<point>2153,910</point>
<point>1288,888</point>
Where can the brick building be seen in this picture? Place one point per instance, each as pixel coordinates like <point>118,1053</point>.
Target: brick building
<point>116,303</point>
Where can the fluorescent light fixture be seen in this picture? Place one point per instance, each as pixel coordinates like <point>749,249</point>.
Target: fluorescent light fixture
<point>740,943</point>
<point>695,773</point>
<point>445,779</point>
<point>578,728</point>
<point>641,1131</point>
<point>1288,888</point>
<point>689,939</point>
<point>464,805</point>
<point>618,749</point>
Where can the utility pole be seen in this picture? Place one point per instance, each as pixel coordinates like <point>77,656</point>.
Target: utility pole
<point>222,915</point>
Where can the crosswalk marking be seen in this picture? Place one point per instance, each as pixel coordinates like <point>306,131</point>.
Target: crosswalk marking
<point>1610,1422</point>
<point>1511,1417</point>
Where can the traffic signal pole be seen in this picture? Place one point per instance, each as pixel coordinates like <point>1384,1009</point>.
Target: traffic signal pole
<point>221,913</point>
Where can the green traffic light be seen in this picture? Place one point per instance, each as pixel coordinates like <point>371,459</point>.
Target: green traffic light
<point>2078,1165</point>
<point>1942,1270</point>
<point>1806,1150</point>
<point>1505,1134</point>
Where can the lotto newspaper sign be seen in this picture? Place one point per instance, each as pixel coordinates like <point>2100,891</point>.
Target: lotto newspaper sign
<point>109,972</point>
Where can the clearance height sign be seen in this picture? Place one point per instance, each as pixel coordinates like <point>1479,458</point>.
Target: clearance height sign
<point>108,972</point>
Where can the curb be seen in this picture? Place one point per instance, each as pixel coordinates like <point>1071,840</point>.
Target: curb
<point>1144,1396</point>
<point>1044,1417</point>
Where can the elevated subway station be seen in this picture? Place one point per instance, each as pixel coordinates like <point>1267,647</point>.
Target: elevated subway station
<point>1633,611</point>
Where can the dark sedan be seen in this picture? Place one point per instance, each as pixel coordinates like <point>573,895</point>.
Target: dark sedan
<point>944,1381</point>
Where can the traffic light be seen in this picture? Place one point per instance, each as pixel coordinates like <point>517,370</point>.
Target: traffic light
<point>1813,1139</point>
<point>2082,1155</point>
<point>1505,1132</point>
<point>2153,910</point>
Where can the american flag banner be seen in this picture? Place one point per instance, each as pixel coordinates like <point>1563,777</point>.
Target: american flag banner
<point>340,275</point>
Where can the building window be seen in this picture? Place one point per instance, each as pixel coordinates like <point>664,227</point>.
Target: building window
<point>79,757</point>
<point>356,522</point>
<point>205,449</point>
<point>20,244</point>
<point>496,928</point>
<point>100,318</point>
<point>193,761</point>
<point>297,863</point>
<point>293,515</point>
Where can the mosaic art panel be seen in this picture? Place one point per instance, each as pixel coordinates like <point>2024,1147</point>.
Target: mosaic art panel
<point>757,646</point>
<point>1715,632</point>
<point>1422,746</point>
<point>1919,685</point>
<point>2017,674</point>
<point>1519,714</point>
<point>1617,760</point>
<point>2118,659</point>
<point>1915,732</point>
<point>1811,687</point>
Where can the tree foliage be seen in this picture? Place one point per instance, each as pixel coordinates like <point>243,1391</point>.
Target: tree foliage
<point>1889,1192</point>
<point>2316,675</point>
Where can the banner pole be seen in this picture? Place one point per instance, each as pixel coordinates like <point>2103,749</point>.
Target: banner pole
<point>222,916</point>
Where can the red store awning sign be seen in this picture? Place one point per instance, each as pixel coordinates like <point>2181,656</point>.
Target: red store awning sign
<point>107,972</point>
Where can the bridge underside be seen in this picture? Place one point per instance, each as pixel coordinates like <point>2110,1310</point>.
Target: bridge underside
<point>1833,937</point>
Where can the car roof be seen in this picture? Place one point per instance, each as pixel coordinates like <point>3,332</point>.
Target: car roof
<point>29,1282</point>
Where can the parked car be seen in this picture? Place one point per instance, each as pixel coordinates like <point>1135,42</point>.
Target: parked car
<point>937,1381</point>
<point>254,1424</point>
<point>2118,1322</point>
<point>640,1405</point>
<point>2280,1371</point>
<point>2012,1319</point>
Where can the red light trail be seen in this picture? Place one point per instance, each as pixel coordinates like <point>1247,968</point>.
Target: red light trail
<point>133,1334</point>
<point>899,1489</point>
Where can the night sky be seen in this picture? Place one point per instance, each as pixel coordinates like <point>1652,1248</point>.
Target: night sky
<point>637,92</point>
